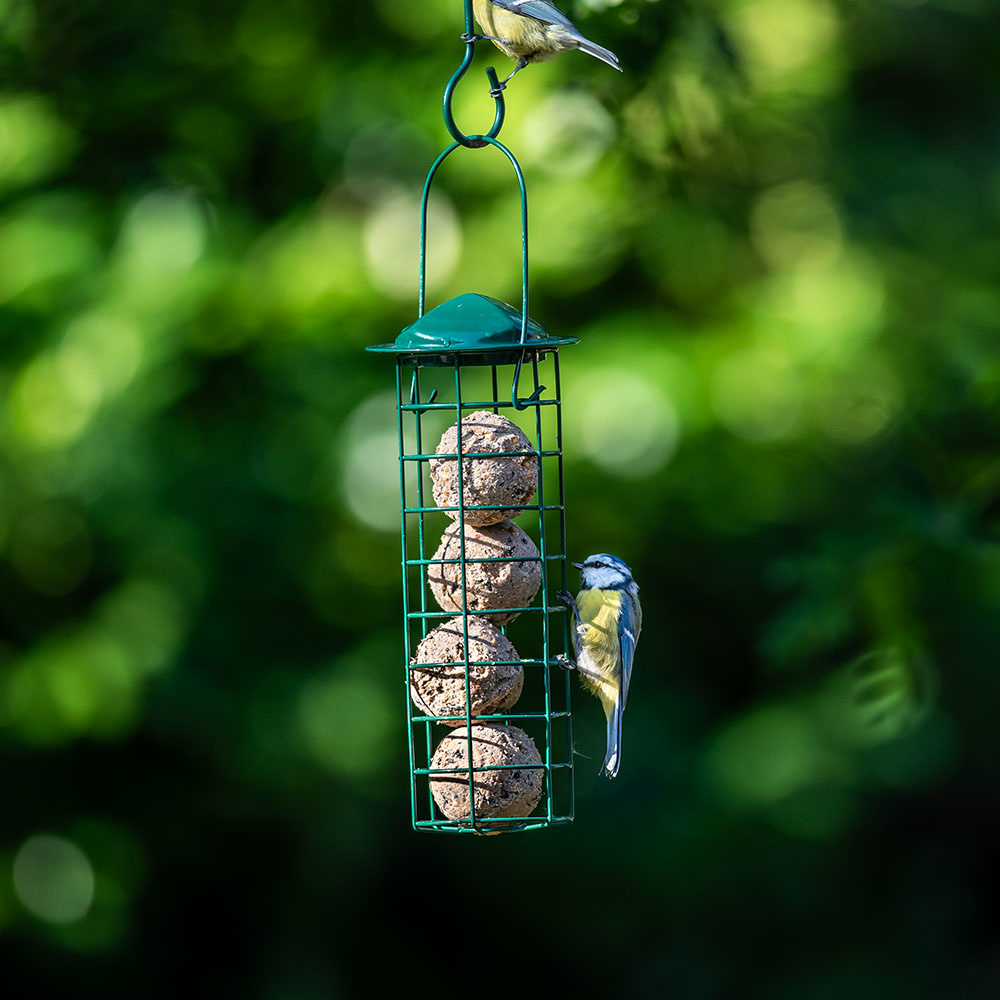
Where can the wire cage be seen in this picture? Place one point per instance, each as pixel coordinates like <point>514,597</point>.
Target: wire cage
<point>452,362</point>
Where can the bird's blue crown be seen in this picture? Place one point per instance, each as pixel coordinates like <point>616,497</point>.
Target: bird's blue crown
<point>605,572</point>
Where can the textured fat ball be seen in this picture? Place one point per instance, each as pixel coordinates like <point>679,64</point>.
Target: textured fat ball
<point>496,678</point>
<point>509,792</point>
<point>505,480</point>
<point>488,585</point>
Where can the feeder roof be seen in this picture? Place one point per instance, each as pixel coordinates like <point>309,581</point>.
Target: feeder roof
<point>470,322</point>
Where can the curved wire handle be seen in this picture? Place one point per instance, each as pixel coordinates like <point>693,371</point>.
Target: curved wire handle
<point>487,140</point>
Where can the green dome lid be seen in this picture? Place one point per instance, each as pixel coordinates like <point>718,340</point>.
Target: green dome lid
<point>475,323</point>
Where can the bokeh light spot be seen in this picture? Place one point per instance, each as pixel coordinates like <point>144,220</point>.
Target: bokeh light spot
<point>53,879</point>
<point>163,234</point>
<point>567,133</point>
<point>53,398</point>
<point>766,756</point>
<point>859,404</point>
<point>48,240</point>
<point>345,722</point>
<point>107,345</point>
<point>34,141</point>
<point>392,239</point>
<point>369,442</point>
<point>757,394</point>
<point>780,39</point>
<point>629,425</point>
<point>419,21</point>
<point>148,620</point>
<point>796,225</point>
<point>304,268</point>
<point>827,313</point>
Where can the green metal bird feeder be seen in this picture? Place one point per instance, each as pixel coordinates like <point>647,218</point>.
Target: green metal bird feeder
<point>479,763</point>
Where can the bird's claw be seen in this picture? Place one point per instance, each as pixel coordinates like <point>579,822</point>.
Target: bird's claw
<point>468,37</point>
<point>566,597</point>
<point>564,662</point>
<point>497,91</point>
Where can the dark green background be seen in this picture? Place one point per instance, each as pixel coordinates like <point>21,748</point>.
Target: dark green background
<point>776,236</point>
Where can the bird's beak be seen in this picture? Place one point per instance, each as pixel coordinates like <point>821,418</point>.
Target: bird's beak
<point>577,565</point>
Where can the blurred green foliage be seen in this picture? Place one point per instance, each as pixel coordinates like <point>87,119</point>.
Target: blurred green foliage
<point>776,236</point>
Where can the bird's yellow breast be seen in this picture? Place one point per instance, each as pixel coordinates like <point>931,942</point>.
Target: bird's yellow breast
<point>597,642</point>
<point>518,35</point>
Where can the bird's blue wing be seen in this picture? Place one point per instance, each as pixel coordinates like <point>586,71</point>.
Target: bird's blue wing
<point>629,624</point>
<point>540,10</point>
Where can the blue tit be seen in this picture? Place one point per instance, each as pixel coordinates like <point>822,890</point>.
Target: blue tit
<point>533,30</point>
<point>607,618</point>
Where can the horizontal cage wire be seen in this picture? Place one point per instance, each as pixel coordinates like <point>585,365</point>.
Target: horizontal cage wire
<point>543,708</point>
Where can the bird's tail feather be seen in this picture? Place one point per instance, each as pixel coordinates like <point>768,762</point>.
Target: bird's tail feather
<point>599,52</point>
<point>613,758</point>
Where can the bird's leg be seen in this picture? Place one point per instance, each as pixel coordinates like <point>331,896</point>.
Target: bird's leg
<point>563,660</point>
<point>565,663</point>
<point>476,37</point>
<point>521,63</point>
<point>567,598</point>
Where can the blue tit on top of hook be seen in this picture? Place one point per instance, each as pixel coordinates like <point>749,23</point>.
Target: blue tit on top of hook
<point>484,330</point>
<point>532,31</point>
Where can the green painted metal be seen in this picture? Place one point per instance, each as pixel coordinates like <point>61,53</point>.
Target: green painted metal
<point>544,710</point>
<point>471,322</point>
<point>468,334</point>
<point>496,92</point>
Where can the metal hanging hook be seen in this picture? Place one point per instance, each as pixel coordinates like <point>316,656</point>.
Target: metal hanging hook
<point>472,141</point>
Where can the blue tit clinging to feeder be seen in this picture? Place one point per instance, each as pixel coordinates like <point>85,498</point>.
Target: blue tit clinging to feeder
<point>607,618</point>
<point>533,30</point>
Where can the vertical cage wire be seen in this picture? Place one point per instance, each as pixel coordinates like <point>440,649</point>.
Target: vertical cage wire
<point>540,710</point>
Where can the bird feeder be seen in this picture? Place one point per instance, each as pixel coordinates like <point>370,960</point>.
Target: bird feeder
<point>483,528</point>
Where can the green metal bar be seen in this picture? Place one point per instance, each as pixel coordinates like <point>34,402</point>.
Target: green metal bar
<point>565,586</point>
<point>465,602</point>
<point>471,142</point>
<point>522,823</point>
<point>495,405</point>
<point>421,293</point>
<point>426,457</point>
<point>496,716</point>
<point>406,605</point>
<point>459,826</point>
<point>519,174</point>
<point>488,767</point>
<point>480,663</point>
<point>476,562</point>
<point>484,612</point>
<point>494,506</point>
<point>546,644</point>
<point>417,419</point>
